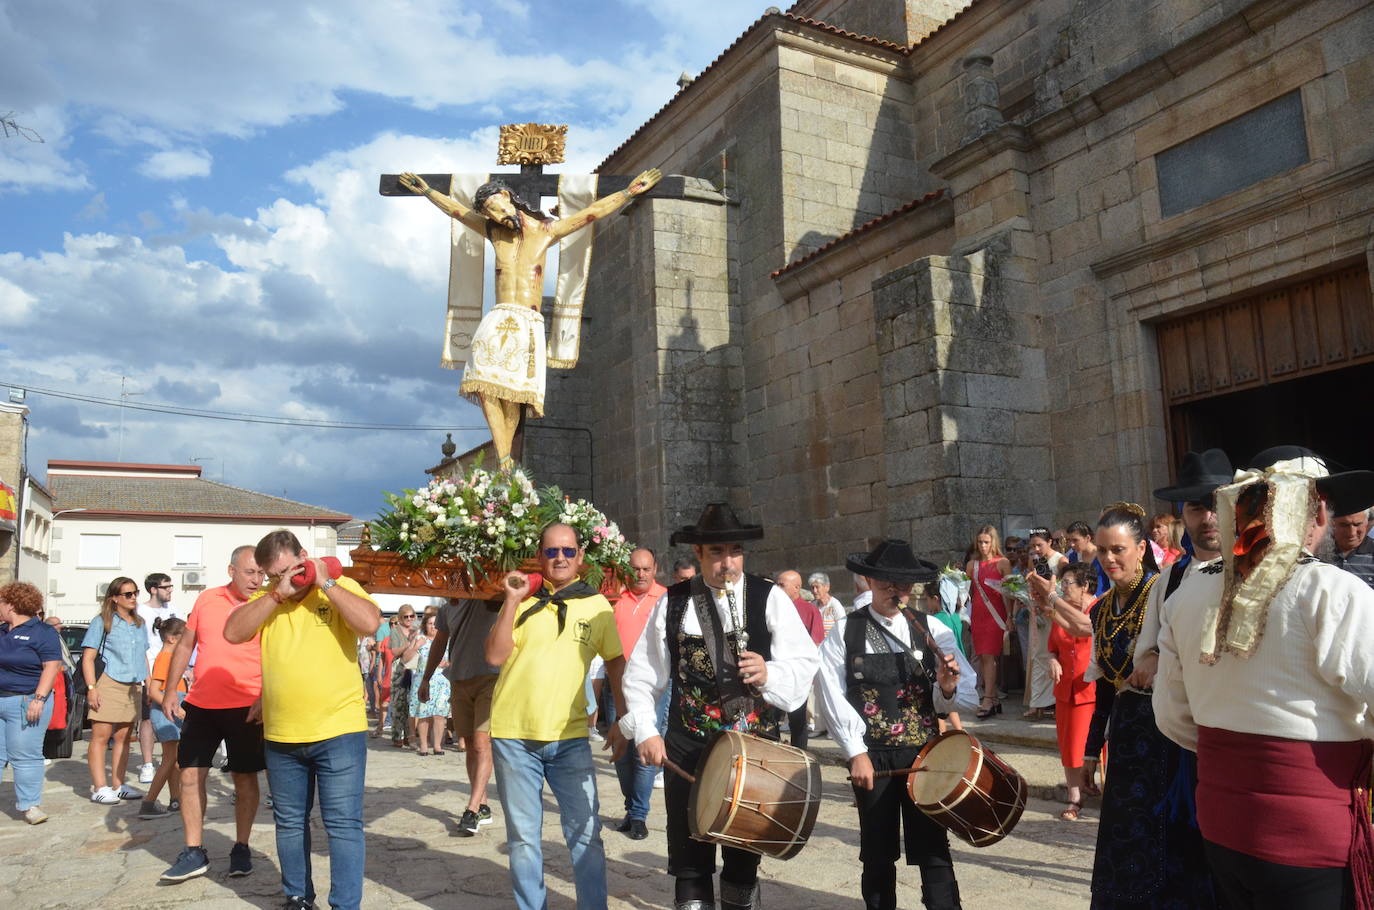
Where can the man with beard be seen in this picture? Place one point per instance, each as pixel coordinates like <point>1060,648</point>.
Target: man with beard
<point>506,368</point>
<point>1265,670</point>
<point>737,657</point>
<point>1198,478</point>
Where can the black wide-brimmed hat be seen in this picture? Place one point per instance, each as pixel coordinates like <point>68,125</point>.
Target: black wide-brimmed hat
<point>1198,477</point>
<point>892,560</point>
<point>1346,492</point>
<point>717,524</point>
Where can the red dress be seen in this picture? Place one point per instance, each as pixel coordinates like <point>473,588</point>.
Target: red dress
<point>1074,697</point>
<point>987,634</point>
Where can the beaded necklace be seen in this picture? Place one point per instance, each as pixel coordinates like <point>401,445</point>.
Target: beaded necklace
<point>1109,624</point>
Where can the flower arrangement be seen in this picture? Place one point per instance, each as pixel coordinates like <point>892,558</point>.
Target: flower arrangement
<point>490,521</point>
<point>1013,586</point>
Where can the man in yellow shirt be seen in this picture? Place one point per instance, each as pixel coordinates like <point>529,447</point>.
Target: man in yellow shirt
<point>313,711</point>
<point>544,644</point>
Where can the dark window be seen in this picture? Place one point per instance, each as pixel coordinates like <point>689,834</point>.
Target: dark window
<point>1266,141</point>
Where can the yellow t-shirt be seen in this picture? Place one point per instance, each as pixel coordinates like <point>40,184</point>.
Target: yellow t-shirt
<point>541,693</point>
<point>311,688</point>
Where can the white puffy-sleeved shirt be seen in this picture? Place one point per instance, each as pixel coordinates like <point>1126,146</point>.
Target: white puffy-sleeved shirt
<point>1311,678</point>
<point>1156,609</point>
<point>845,725</point>
<point>791,669</point>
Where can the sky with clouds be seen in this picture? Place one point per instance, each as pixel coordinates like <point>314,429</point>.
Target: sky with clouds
<point>202,217</point>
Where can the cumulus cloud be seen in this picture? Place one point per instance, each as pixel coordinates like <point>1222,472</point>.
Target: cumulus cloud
<point>327,304</point>
<point>177,164</point>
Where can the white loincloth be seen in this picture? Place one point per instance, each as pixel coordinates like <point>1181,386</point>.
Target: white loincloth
<point>507,359</point>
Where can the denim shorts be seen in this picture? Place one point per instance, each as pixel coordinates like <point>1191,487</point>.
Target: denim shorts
<point>165,729</point>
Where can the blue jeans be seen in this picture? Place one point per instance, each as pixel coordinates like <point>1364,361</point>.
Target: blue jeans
<point>522,766</point>
<point>22,746</point>
<point>338,766</point>
<point>637,778</point>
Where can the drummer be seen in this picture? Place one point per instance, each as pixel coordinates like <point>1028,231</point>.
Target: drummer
<point>737,657</point>
<point>882,709</point>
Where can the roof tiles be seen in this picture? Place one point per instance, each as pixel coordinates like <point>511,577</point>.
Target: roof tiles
<point>166,496</point>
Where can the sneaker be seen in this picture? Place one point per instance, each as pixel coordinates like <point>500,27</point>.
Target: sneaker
<point>127,792</point>
<point>467,825</point>
<point>190,862</point>
<point>35,816</point>
<point>106,796</point>
<point>267,800</point>
<point>174,805</point>
<point>298,903</point>
<point>595,736</point>
<point>658,781</point>
<point>146,773</point>
<point>240,860</point>
<point>151,809</point>
<point>484,815</point>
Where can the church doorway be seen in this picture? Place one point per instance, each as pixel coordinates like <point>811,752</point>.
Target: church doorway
<point>1293,364</point>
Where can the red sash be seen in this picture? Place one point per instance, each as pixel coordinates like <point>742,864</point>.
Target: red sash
<point>1288,801</point>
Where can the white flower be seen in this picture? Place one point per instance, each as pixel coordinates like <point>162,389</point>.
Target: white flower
<point>417,500</point>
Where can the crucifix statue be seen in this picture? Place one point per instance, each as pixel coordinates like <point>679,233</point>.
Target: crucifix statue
<point>505,357</point>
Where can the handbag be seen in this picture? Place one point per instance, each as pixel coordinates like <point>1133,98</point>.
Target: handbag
<point>79,678</point>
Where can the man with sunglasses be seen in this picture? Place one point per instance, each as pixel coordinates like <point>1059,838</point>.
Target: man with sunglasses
<point>159,606</point>
<point>544,642</point>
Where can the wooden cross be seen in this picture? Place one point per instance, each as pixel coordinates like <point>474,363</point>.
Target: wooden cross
<point>531,146</point>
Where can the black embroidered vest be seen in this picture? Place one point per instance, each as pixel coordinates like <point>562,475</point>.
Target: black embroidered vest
<point>708,698</point>
<point>890,691</point>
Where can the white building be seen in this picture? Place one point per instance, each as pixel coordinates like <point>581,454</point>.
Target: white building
<point>35,533</point>
<point>133,519</point>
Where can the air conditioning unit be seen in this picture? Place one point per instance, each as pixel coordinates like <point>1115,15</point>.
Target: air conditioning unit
<point>56,533</point>
<point>52,585</point>
<point>100,589</point>
<point>55,557</point>
<point>193,579</point>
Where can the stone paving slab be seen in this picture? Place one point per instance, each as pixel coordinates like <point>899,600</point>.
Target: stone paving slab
<point>89,855</point>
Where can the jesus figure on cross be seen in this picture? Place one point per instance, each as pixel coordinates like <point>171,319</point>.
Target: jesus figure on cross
<point>506,368</point>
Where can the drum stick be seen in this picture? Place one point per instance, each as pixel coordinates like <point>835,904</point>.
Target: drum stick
<point>671,766</point>
<point>894,772</point>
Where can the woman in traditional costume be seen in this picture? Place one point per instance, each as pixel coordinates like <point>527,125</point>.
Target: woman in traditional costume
<point>991,620</point>
<point>1149,852</point>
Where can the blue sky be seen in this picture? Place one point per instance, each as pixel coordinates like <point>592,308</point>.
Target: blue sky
<point>202,216</point>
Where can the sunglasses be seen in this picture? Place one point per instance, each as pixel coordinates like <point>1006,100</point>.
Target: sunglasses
<point>164,587</point>
<point>127,594</point>
<point>407,616</point>
<point>552,552</point>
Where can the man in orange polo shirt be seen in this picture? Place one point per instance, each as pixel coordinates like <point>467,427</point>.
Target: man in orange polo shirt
<point>631,614</point>
<point>224,705</point>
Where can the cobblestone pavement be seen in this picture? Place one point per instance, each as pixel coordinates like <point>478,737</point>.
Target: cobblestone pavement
<point>89,855</point>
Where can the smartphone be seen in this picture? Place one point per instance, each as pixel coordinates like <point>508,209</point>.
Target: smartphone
<point>1042,567</point>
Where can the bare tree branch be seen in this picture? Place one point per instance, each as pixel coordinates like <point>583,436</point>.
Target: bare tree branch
<point>10,128</point>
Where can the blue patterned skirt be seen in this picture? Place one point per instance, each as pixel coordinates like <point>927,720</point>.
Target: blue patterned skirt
<point>1147,855</point>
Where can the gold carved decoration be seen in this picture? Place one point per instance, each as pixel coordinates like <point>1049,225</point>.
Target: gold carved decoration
<point>382,572</point>
<point>532,143</point>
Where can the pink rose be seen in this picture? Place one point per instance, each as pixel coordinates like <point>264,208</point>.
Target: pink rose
<point>870,709</point>
<point>898,729</point>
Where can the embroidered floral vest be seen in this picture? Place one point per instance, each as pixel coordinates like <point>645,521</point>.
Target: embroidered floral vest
<point>889,690</point>
<point>703,702</point>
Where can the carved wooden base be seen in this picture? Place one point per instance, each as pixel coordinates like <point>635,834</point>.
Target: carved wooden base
<point>383,572</point>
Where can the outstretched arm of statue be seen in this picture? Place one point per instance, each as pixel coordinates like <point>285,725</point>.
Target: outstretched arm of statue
<point>416,184</point>
<point>605,205</point>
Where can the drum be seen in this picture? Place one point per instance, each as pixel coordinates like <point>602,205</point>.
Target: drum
<point>967,789</point>
<point>755,794</point>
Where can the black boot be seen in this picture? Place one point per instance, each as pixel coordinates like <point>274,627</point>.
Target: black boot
<point>739,897</point>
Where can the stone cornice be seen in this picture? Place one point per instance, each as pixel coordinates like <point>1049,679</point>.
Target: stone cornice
<point>842,50</point>
<point>864,246</point>
<point>1008,136</point>
<point>1245,216</point>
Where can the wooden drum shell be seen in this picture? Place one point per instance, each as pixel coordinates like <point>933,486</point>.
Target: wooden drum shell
<point>982,804</point>
<point>754,794</point>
